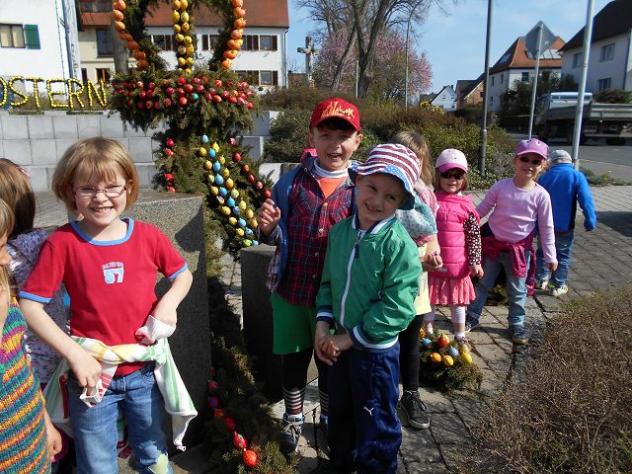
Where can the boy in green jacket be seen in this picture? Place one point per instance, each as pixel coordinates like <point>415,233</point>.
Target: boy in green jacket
<point>367,294</point>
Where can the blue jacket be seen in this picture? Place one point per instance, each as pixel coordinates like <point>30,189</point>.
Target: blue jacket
<point>567,186</point>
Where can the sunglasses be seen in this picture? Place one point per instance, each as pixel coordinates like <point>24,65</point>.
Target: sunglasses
<point>534,162</point>
<point>453,174</point>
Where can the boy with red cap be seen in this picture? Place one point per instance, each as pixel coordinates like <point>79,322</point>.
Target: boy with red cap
<point>305,204</point>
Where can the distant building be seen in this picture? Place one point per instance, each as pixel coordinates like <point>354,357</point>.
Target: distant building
<point>446,99</point>
<point>262,59</point>
<point>469,92</point>
<point>610,57</point>
<point>38,38</point>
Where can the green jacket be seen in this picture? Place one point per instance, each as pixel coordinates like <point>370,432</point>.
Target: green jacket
<point>369,282</point>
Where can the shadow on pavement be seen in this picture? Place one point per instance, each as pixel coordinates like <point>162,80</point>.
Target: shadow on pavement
<point>620,222</point>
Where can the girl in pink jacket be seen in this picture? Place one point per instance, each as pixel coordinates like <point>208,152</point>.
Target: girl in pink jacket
<point>460,242</point>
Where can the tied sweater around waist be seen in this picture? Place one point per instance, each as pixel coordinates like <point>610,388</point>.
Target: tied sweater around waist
<point>22,429</point>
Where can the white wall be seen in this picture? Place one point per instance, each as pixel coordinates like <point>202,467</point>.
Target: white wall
<point>51,60</point>
<point>617,69</point>
<point>509,77</point>
<point>446,99</point>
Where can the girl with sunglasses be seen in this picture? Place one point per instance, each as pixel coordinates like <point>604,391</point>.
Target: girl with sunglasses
<point>516,204</point>
<point>460,242</point>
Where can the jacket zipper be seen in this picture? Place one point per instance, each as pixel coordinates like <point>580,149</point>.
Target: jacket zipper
<point>354,253</point>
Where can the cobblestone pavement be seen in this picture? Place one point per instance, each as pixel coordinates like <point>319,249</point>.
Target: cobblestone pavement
<point>601,259</point>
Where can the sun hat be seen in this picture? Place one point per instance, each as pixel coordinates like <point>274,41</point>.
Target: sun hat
<point>396,160</point>
<point>451,158</point>
<point>560,156</point>
<point>533,145</point>
<point>335,108</point>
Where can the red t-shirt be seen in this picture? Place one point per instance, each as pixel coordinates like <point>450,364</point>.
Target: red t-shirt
<point>111,284</point>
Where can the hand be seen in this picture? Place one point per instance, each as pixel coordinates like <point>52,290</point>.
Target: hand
<point>432,262</point>
<point>166,313</point>
<point>53,438</point>
<point>321,342</point>
<point>86,369</point>
<point>476,271</point>
<point>552,266</point>
<point>268,216</point>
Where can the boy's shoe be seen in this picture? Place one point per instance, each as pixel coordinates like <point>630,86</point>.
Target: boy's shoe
<point>470,323</point>
<point>415,410</point>
<point>322,445</point>
<point>291,428</point>
<point>519,335</point>
<point>559,290</point>
<point>542,284</point>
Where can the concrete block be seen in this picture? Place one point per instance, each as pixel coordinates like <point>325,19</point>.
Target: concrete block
<point>146,173</point>
<point>15,127</point>
<point>140,149</point>
<point>62,144</point>
<point>89,126</point>
<point>256,143</point>
<point>40,177</point>
<point>129,131</point>
<point>1,132</point>
<point>262,122</point>
<point>40,126</point>
<point>18,151</point>
<point>65,126</point>
<point>43,151</point>
<point>271,170</point>
<point>111,126</point>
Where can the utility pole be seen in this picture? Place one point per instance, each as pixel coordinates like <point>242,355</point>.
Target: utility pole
<point>406,76</point>
<point>535,79</point>
<point>483,150</point>
<point>309,51</point>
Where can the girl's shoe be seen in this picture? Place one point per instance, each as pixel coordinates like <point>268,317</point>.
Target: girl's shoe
<point>542,284</point>
<point>559,290</point>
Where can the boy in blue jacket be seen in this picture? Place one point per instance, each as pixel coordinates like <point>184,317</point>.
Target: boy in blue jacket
<point>566,187</point>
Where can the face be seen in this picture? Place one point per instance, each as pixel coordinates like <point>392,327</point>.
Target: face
<point>101,202</point>
<point>451,181</point>
<point>378,196</point>
<point>5,258</point>
<point>334,147</point>
<point>528,166</point>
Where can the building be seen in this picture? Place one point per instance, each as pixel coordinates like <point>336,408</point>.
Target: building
<point>262,59</point>
<point>37,38</point>
<point>446,99</point>
<point>610,56</point>
<point>517,64</point>
<point>469,93</point>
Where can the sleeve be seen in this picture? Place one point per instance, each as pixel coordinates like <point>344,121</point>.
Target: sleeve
<point>488,202</point>
<point>47,275</point>
<point>324,298</point>
<point>23,255</point>
<point>472,240</point>
<point>168,260</point>
<point>584,196</point>
<point>545,227</point>
<point>394,311</point>
<point>419,222</point>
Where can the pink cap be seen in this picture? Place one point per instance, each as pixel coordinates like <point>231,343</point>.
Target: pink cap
<point>451,158</point>
<point>533,145</point>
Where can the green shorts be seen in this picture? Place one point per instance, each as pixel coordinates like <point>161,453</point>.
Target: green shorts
<point>293,326</point>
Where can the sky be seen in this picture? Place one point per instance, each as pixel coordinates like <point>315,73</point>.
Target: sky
<point>453,37</point>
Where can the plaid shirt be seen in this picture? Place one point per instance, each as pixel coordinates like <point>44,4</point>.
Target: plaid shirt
<point>309,221</point>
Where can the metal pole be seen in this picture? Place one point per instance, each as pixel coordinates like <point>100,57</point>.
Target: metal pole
<point>579,108</point>
<point>535,79</point>
<point>357,78</point>
<point>67,34</point>
<point>483,150</point>
<point>406,76</point>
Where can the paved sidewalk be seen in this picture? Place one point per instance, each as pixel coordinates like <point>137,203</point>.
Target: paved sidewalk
<point>601,259</point>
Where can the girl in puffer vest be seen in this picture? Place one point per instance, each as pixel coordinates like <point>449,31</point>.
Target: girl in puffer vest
<point>460,242</point>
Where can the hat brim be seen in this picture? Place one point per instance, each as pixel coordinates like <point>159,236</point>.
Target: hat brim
<point>526,152</point>
<point>452,166</point>
<point>406,205</point>
<point>341,117</point>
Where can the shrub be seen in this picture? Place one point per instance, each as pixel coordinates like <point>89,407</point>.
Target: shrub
<point>571,412</point>
<point>614,96</point>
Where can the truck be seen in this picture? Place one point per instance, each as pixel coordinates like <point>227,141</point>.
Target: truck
<point>555,118</point>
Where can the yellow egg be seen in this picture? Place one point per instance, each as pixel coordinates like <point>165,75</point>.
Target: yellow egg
<point>176,4</point>
<point>422,334</point>
<point>190,61</point>
<point>234,193</point>
<point>229,183</point>
<point>208,165</point>
<point>466,357</point>
<point>184,17</point>
<point>222,160</point>
<point>249,214</point>
<point>188,71</point>
<point>210,177</point>
<point>182,50</point>
<point>188,39</point>
<point>186,27</point>
<point>176,28</point>
<point>226,210</point>
<point>243,205</point>
<point>175,16</point>
<point>247,243</point>
<point>225,172</point>
<point>184,4</point>
<point>221,200</point>
<point>214,190</point>
<point>232,221</point>
<point>435,357</point>
<point>240,232</point>
<point>448,361</point>
<point>181,62</point>
<point>190,50</point>
<point>216,147</point>
<point>179,37</point>
<point>253,223</point>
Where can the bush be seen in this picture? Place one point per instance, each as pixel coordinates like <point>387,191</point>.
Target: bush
<point>571,412</point>
<point>614,96</point>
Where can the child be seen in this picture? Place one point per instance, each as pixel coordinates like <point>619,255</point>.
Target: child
<point>27,438</point>
<point>367,294</point>
<point>517,204</point>
<point>305,204</point>
<point>413,408</point>
<point>567,187</point>
<point>108,266</point>
<point>460,241</point>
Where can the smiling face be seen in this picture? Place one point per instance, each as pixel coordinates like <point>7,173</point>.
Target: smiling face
<point>334,147</point>
<point>527,167</point>
<point>378,196</point>
<point>451,181</point>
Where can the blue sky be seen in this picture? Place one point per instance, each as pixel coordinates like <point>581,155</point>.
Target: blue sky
<point>454,39</point>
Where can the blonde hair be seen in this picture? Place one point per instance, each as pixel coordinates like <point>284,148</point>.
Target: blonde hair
<point>16,191</point>
<point>7,221</point>
<point>94,158</point>
<point>418,144</point>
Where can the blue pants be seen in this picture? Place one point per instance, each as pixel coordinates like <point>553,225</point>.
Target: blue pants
<point>364,432</point>
<point>563,248</point>
<point>95,429</point>
<point>516,288</point>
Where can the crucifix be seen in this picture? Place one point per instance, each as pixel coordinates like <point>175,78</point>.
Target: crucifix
<point>309,51</point>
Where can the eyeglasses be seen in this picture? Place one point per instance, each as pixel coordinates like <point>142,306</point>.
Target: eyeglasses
<point>534,162</point>
<point>110,192</point>
<point>458,175</point>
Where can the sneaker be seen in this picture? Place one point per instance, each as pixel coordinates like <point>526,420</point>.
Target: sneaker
<point>470,323</point>
<point>519,335</point>
<point>542,284</point>
<point>291,432</point>
<point>559,290</point>
<point>415,410</point>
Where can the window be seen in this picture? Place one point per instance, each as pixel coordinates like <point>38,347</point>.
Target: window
<point>607,52</point>
<point>604,84</point>
<point>525,76</point>
<point>493,81</point>
<point>163,42</point>
<point>251,43</point>
<point>84,74</point>
<point>103,74</point>
<point>104,42</point>
<point>251,77</point>
<point>95,6</point>
<point>12,36</point>
<point>268,42</point>
<point>209,42</point>
<point>577,59</point>
<point>268,78</point>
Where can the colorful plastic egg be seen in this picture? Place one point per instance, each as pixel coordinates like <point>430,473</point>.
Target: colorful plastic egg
<point>230,202</point>
<point>243,205</point>
<point>235,193</point>
<point>435,357</point>
<point>212,153</point>
<point>216,166</point>
<point>453,351</point>
<point>225,210</point>
<point>448,361</point>
<point>223,191</point>
<point>242,222</point>
<point>240,232</point>
<point>247,243</point>
<point>230,183</point>
<point>214,190</point>
<point>225,172</point>
<point>466,357</point>
<point>249,214</point>
<point>204,138</point>
<point>219,180</point>
<point>232,220</point>
<point>426,343</point>
<point>216,146</point>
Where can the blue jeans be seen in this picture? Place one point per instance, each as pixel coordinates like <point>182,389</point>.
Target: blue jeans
<point>563,247</point>
<point>95,431</point>
<point>516,288</point>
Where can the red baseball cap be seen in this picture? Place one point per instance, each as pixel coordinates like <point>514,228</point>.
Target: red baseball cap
<point>336,108</point>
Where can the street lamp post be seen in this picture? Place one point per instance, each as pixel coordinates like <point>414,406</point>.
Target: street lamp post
<point>483,150</point>
<point>535,79</point>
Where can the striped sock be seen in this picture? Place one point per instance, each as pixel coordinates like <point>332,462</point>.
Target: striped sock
<point>293,400</point>
<point>324,403</point>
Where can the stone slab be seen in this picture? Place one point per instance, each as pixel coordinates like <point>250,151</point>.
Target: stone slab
<point>43,151</point>
<point>14,127</point>
<point>89,126</point>
<point>40,127</point>
<point>65,127</point>
<point>18,151</point>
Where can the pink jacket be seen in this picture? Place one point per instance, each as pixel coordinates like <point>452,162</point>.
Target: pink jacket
<point>454,209</point>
